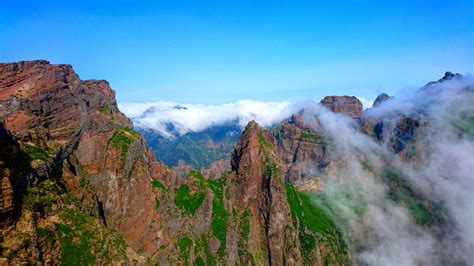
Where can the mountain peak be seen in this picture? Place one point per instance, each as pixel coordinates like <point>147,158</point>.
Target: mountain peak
<point>348,105</point>
<point>447,76</point>
<point>380,99</point>
<point>253,126</point>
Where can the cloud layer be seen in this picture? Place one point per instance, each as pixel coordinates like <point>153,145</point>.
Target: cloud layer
<point>170,118</point>
<point>443,172</point>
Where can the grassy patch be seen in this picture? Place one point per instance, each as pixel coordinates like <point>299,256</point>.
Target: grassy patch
<point>35,153</point>
<point>75,252</point>
<point>314,226</point>
<point>196,174</point>
<point>185,244</point>
<point>105,110</point>
<point>310,135</point>
<point>219,212</point>
<point>199,262</point>
<point>244,236</point>
<point>219,220</point>
<point>465,125</point>
<point>155,183</point>
<point>82,182</point>
<point>81,238</point>
<point>122,139</point>
<point>188,201</point>
<point>80,241</point>
<point>203,244</point>
<point>263,143</point>
<point>400,191</point>
<point>271,169</point>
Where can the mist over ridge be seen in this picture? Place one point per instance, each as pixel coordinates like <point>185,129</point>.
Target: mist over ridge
<point>378,193</point>
<point>171,119</point>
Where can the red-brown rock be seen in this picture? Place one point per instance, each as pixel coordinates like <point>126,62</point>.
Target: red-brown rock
<point>348,105</point>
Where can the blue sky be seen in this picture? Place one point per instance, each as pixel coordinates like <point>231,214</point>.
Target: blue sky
<point>223,51</point>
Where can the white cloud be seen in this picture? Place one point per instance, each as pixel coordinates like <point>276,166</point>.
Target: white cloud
<point>366,102</point>
<point>386,234</point>
<point>196,117</point>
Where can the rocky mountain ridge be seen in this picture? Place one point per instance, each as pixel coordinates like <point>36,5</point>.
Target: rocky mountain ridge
<point>86,188</point>
<point>80,186</point>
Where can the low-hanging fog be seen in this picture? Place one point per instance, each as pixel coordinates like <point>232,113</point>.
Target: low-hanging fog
<point>386,228</point>
<point>170,119</point>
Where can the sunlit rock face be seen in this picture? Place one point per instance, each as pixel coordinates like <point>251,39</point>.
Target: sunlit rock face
<point>79,183</point>
<point>60,129</point>
<point>348,105</point>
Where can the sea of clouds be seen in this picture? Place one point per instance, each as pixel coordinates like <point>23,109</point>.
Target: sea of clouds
<point>171,118</point>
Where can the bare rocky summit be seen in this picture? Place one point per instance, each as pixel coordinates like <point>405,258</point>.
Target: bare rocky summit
<point>348,105</point>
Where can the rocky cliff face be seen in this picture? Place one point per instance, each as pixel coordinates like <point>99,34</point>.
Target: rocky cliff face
<point>348,105</point>
<point>299,147</point>
<point>80,185</point>
<point>78,151</point>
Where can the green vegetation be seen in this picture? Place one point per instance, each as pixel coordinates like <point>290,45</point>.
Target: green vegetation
<point>198,149</point>
<point>155,183</point>
<point>43,196</point>
<point>185,244</point>
<point>310,135</point>
<point>245,225</point>
<point>35,152</point>
<point>263,143</point>
<point>420,209</point>
<point>80,241</point>
<point>244,236</point>
<point>130,172</point>
<point>196,174</point>
<point>199,262</point>
<point>81,238</point>
<point>122,139</point>
<point>314,226</point>
<point>219,214</point>
<point>366,165</point>
<point>82,182</point>
<point>279,133</point>
<point>343,206</point>
<point>202,244</point>
<point>402,192</point>
<point>105,110</point>
<point>75,252</point>
<point>271,169</point>
<point>465,125</point>
<point>188,201</point>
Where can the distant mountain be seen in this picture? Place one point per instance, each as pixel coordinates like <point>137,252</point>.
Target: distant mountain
<point>197,149</point>
<point>186,136</point>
